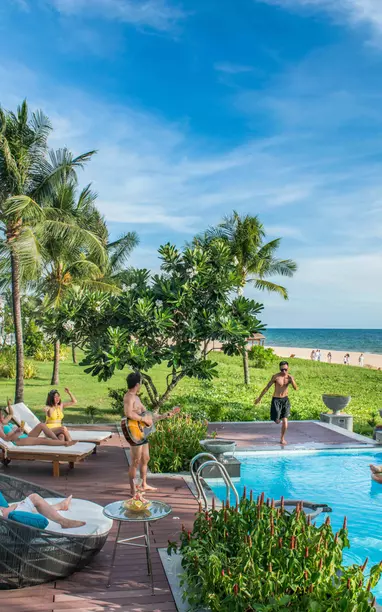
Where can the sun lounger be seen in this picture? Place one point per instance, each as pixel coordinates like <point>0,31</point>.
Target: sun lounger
<point>23,413</point>
<point>54,454</point>
<point>31,556</point>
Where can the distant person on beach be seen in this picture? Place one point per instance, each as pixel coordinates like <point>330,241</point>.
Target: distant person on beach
<point>361,360</point>
<point>313,355</point>
<point>347,359</point>
<point>318,355</point>
<point>329,357</point>
<point>280,406</point>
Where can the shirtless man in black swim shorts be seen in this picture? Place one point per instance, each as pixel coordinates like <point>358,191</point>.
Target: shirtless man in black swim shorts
<point>280,406</point>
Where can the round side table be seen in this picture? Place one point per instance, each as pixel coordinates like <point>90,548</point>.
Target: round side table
<point>156,511</point>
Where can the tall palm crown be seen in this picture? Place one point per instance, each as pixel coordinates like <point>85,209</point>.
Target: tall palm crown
<point>256,260</point>
<point>27,175</point>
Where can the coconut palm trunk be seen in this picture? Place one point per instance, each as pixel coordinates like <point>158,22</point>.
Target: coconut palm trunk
<point>56,364</point>
<point>16,305</point>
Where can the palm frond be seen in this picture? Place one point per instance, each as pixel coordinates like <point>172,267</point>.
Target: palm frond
<point>120,250</point>
<point>264,285</point>
<point>23,206</point>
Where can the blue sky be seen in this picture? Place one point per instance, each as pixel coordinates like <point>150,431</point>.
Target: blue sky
<point>269,107</point>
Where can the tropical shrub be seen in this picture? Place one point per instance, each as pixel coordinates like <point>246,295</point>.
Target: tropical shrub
<point>8,365</point>
<point>261,357</point>
<point>46,353</point>
<point>258,557</point>
<point>91,413</point>
<point>33,338</point>
<point>175,442</point>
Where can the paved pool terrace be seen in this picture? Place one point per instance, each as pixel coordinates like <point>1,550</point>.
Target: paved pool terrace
<point>102,478</point>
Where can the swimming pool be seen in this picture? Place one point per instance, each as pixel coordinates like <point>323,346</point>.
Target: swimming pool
<point>341,479</point>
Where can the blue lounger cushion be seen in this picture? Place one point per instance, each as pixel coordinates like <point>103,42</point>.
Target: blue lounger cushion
<point>3,501</point>
<point>31,519</point>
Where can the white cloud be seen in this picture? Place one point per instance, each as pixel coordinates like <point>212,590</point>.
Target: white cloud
<point>158,15</point>
<point>231,68</point>
<point>355,12</point>
<point>329,292</point>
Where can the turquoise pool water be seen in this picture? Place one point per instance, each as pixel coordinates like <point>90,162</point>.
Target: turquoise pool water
<point>340,479</point>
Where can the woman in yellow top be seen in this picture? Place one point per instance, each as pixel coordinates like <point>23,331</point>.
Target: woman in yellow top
<point>54,410</point>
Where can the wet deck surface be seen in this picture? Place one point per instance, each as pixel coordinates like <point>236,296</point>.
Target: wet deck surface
<point>252,434</point>
<point>102,478</point>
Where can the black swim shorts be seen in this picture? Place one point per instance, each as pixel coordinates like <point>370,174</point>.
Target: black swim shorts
<point>280,408</point>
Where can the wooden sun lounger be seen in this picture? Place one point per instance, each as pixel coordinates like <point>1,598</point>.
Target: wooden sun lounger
<point>56,455</point>
<point>23,413</point>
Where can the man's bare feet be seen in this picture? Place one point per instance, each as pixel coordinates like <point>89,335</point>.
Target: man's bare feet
<point>69,524</point>
<point>283,442</point>
<point>147,487</point>
<point>65,504</point>
<point>69,443</point>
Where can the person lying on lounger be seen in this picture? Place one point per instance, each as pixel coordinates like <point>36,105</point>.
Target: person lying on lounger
<point>37,504</point>
<point>376,472</point>
<point>17,436</point>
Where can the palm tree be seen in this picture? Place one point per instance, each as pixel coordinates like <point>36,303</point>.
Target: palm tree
<point>255,259</point>
<point>27,174</point>
<point>78,258</point>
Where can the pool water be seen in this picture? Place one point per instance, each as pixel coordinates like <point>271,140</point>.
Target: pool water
<point>341,479</point>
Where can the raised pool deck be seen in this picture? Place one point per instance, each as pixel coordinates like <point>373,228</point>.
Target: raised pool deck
<point>102,478</point>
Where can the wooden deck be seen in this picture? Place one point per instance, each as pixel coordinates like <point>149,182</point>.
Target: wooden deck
<point>102,478</point>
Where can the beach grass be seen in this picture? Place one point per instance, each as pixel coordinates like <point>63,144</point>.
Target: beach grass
<point>225,398</point>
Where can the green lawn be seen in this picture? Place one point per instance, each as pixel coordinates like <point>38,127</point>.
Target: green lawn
<point>225,398</point>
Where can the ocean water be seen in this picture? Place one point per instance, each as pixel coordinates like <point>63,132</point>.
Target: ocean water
<point>362,340</point>
<point>340,479</point>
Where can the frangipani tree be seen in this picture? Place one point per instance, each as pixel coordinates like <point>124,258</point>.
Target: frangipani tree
<point>166,317</point>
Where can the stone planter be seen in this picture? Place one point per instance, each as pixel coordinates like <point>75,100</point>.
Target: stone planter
<point>218,447</point>
<point>336,403</point>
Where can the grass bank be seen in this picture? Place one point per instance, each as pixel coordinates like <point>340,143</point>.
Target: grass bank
<point>225,398</point>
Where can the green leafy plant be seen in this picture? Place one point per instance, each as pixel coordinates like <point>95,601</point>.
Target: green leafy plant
<point>8,365</point>
<point>91,412</point>
<point>175,442</point>
<point>46,353</point>
<point>261,357</point>
<point>258,557</point>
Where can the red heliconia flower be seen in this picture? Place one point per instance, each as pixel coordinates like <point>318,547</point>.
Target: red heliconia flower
<point>225,516</point>
<point>309,520</point>
<point>273,504</point>
<point>306,575</point>
<point>293,543</point>
<point>368,587</point>
<point>327,522</point>
<point>213,503</point>
<point>251,496</point>
<point>336,538</point>
<point>320,565</point>
<point>280,542</point>
<point>306,552</point>
<point>268,504</point>
<point>189,535</point>
<point>249,541</point>
<point>344,526</point>
<point>227,504</point>
<point>206,514</point>
<point>348,584</point>
<point>282,502</point>
<point>262,498</point>
<point>223,573</point>
<point>363,567</point>
<point>270,567</point>
<point>311,588</point>
<point>235,589</point>
<point>200,506</point>
<point>245,492</point>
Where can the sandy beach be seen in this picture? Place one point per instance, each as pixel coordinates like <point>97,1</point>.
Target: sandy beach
<point>371,359</point>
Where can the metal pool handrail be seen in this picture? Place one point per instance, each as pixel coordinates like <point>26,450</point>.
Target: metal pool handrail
<point>196,478</point>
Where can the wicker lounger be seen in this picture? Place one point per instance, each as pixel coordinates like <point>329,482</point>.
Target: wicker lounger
<point>54,454</point>
<point>23,413</point>
<point>30,556</point>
